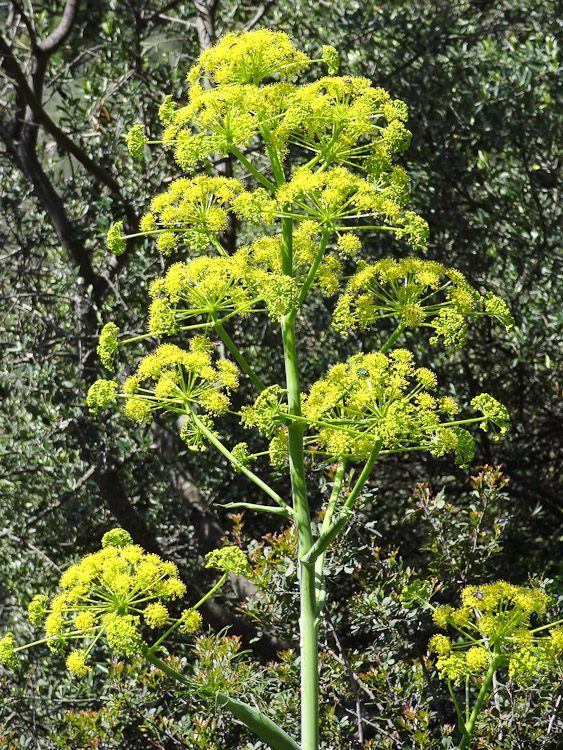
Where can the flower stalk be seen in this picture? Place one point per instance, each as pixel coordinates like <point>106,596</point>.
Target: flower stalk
<point>377,402</point>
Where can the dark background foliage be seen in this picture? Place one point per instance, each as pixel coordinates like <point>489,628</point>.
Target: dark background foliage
<point>484,85</point>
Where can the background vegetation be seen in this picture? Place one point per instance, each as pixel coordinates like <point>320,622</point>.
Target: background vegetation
<point>484,85</point>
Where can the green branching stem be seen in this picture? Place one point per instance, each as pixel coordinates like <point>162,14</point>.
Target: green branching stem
<point>251,717</point>
<point>460,719</point>
<point>328,535</point>
<point>547,627</point>
<point>362,479</point>
<point>363,226</point>
<point>203,599</point>
<point>308,622</point>
<point>320,582</point>
<point>287,246</point>
<point>214,440</point>
<point>41,641</point>
<point>394,336</point>
<point>256,507</point>
<point>218,246</point>
<point>334,495</point>
<point>241,361</point>
<point>324,151</point>
<point>273,154</point>
<point>252,169</point>
<point>314,266</point>
<point>485,687</point>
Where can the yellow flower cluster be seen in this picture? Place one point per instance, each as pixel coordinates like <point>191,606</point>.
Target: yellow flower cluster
<point>374,397</point>
<point>496,416</point>
<point>193,210</point>
<point>370,398</point>
<point>101,394</point>
<point>208,288</point>
<point>340,120</point>
<point>177,379</point>
<point>249,59</point>
<point>172,379</point>
<point>337,199</point>
<point>419,293</point>
<point>494,620</point>
<point>231,113</point>
<point>268,412</point>
<point>223,119</point>
<point>332,59</point>
<point>350,131</point>
<point>136,141</point>
<point>230,559</point>
<point>108,594</point>
<point>212,289</point>
<point>347,121</point>
<point>333,196</point>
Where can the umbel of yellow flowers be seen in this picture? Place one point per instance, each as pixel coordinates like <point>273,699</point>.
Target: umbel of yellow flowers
<point>317,171</point>
<point>494,622</point>
<point>114,595</point>
<point>243,96</point>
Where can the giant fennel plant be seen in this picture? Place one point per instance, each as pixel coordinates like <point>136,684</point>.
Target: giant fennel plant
<point>318,169</point>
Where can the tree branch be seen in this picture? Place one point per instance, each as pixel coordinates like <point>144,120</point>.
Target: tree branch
<point>10,65</point>
<point>258,15</point>
<point>53,41</point>
<point>205,23</point>
<point>27,161</point>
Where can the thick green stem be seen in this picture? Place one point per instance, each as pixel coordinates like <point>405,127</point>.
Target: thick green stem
<point>287,246</point>
<point>548,626</point>
<point>394,336</point>
<point>470,724</point>
<point>260,724</point>
<point>308,623</point>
